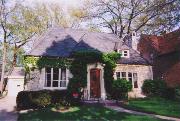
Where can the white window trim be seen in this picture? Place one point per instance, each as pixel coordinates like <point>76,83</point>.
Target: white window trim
<point>128,78</point>
<point>122,53</point>
<point>56,88</point>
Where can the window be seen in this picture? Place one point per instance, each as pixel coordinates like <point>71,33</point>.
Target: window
<point>132,77</point>
<point>118,75</point>
<point>123,75</point>
<point>56,78</point>
<point>125,53</point>
<point>135,80</point>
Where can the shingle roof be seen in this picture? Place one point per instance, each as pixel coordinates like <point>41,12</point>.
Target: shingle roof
<point>62,42</point>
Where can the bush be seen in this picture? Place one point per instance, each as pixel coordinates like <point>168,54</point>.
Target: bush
<point>23,101</point>
<point>177,93</point>
<point>120,89</point>
<point>154,87</point>
<point>43,98</point>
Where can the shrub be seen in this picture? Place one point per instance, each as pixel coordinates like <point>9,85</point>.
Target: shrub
<point>23,101</point>
<point>154,87</point>
<point>177,93</point>
<point>120,89</point>
<point>43,98</point>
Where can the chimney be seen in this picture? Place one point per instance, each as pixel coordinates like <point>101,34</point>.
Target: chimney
<point>134,40</point>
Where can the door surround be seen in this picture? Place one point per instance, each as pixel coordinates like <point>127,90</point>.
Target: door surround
<point>102,88</point>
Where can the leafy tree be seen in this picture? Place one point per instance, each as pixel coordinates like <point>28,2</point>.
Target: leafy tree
<point>124,16</point>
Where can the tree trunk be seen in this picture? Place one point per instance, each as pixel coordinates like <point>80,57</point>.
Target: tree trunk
<point>3,66</point>
<point>14,63</point>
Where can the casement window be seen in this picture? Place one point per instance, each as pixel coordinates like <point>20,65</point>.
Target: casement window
<point>132,77</point>
<point>125,53</point>
<point>56,78</point>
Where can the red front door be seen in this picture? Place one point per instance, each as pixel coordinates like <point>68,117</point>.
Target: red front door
<point>95,83</point>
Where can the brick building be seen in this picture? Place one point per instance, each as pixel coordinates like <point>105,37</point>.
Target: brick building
<point>164,54</point>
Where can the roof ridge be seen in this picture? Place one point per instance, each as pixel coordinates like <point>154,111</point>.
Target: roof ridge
<point>43,35</point>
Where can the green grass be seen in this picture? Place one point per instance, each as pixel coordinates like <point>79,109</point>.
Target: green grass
<point>156,105</point>
<point>94,113</point>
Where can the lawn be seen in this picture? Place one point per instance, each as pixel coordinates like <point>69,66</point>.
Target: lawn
<point>155,105</point>
<point>82,113</point>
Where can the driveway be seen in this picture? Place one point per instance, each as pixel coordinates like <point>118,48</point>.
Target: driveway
<point>7,109</point>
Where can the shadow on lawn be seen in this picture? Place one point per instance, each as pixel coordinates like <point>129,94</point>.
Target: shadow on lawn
<point>81,113</point>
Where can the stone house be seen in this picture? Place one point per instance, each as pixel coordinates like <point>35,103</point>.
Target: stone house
<point>62,42</point>
<point>164,54</point>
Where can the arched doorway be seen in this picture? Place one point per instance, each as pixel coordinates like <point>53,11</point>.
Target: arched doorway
<point>95,90</point>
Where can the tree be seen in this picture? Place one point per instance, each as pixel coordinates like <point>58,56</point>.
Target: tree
<point>5,12</point>
<point>125,16</point>
<point>28,22</point>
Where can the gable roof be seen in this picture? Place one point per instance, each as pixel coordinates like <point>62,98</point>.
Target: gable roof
<point>62,42</point>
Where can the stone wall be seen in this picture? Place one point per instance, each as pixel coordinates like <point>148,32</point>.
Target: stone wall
<point>35,80</point>
<point>144,72</point>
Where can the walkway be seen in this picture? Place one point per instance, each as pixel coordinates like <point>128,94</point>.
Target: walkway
<point>113,106</point>
<point>7,109</point>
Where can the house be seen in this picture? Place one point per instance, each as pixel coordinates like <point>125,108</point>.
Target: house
<point>164,54</point>
<point>62,42</point>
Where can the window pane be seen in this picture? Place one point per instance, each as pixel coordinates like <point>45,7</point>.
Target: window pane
<point>63,74</point>
<point>62,83</point>
<point>123,75</point>
<point>118,75</point>
<point>135,78</point>
<point>55,83</point>
<point>130,77</point>
<point>48,70</point>
<point>48,77</point>
<point>125,52</point>
<point>55,73</point>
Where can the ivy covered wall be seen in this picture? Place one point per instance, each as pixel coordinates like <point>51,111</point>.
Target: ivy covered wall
<point>78,67</point>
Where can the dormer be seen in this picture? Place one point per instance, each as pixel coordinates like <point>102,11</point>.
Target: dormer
<point>124,53</point>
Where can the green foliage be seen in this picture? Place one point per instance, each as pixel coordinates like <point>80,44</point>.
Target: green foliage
<point>154,87</point>
<point>120,89</point>
<point>41,62</point>
<point>43,98</point>
<point>160,88</point>
<point>79,69</point>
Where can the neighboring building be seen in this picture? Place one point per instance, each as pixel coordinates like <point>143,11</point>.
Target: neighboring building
<point>15,81</point>
<point>164,53</point>
<point>58,42</point>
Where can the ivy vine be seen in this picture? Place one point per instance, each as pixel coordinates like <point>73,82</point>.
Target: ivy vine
<point>79,69</point>
<point>31,62</point>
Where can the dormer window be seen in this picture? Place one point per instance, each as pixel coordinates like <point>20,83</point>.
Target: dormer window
<point>125,53</point>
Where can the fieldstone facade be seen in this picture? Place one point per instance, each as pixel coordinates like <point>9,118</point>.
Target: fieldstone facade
<point>143,72</point>
<point>35,80</point>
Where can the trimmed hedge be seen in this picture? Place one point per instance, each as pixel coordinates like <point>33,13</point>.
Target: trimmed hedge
<point>43,98</point>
